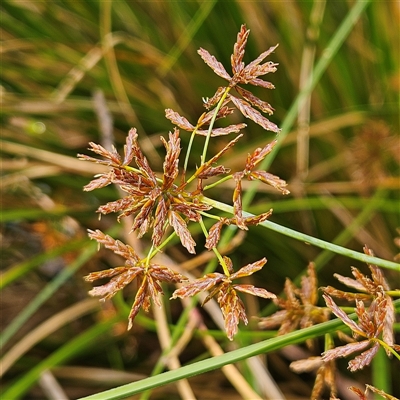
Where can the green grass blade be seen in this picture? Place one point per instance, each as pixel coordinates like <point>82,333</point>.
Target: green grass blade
<point>327,56</point>
<point>66,352</point>
<point>311,240</point>
<point>47,292</point>
<point>20,269</point>
<point>186,37</point>
<point>218,362</point>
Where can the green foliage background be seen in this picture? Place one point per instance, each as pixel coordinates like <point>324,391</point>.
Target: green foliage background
<point>143,57</point>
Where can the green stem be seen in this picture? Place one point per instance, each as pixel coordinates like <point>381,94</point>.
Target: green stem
<point>387,347</point>
<point>210,128</point>
<point>380,372</point>
<point>393,293</point>
<point>213,363</point>
<point>189,148</point>
<point>211,185</point>
<point>163,244</point>
<point>215,250</point>
<point>309,239</point>
<point>149,254</point>
<point>132,169</point>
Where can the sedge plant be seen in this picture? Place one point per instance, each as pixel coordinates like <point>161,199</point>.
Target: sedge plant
<point>166,206</point>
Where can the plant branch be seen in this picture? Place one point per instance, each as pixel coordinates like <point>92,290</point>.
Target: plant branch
<point>309,239</point>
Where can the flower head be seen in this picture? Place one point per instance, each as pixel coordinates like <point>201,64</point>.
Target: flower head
<point>156,203</point>
<point>244,74</point>
<point>369,289</point>
<point>221,285</point>
<point>149,276</point>
<point>299,309</point>
<point>371,322</point>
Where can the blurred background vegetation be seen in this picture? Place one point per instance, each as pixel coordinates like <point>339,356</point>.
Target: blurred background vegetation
<point>70,70</point>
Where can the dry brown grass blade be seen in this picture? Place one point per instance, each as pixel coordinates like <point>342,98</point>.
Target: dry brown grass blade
<point>45,329</point>
<point>362,236</point>
<point>265,381</point>
<point>32,172</point>
<point>76,74</point>
<point>307,64</point>
<point>172,360</point>
<point>65,162</point>
<point>51,387</point>
<point>112,66</point>
<point>230,371</point>
<point>326,126</point>
<point>96,375</point>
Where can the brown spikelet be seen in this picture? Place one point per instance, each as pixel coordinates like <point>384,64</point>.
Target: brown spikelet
<point>371,323</point>
<point>148,276</point>
<point>220,285</point>
<point>249,112</point>
<point>180,228</point>
<point>199,285</point>
<point>238,49</point>
<point>214,233</point>
<point>116,246</point>
<point>178,120</point>
<point>213,63</point>
<point>255,101</point>
<point>171,161</point>
<point>160,217</point>
<point>342,315</point>
<point>223,112</point>
<point>226,130</point>
<point>208,103</point>
<point>370,290</point>
<point>270,179</point>
<point>237,201</point>
<point>128,148</point>
<point>254,69</point>
<point>300,308</point>
<point>258,155</point>
<point>364,358</point>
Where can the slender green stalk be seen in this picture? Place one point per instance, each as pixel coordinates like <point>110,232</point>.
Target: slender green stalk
<point>188,150</point>
<point>215,250</point>
<point>216,362</point>
<point>225,178</point>
<point>309,239</point>
<point>212,363</point>
<point>385,346</point>
<point>380,368</point>
<point>217,108</point>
